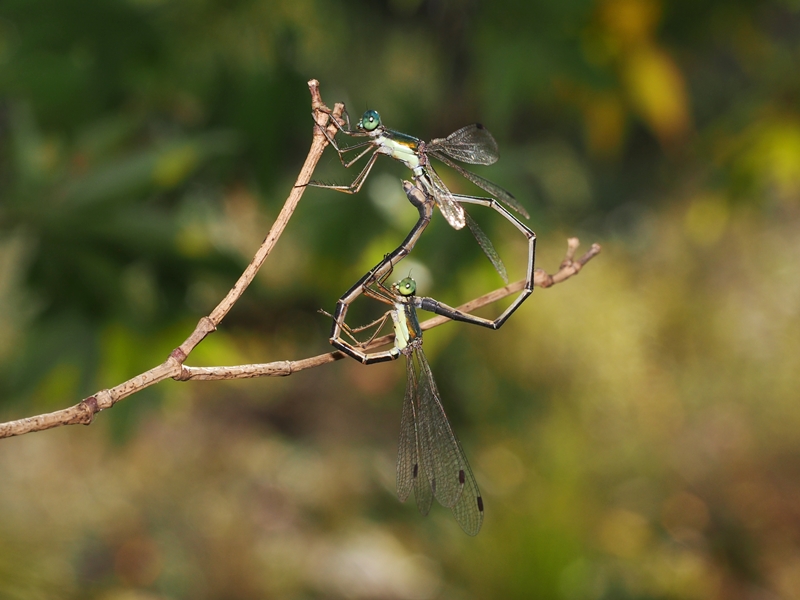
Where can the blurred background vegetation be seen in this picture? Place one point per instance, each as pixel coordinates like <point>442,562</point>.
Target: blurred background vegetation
<point>635,431</point>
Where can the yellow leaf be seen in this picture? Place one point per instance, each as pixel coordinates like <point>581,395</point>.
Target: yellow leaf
<point>657,91</point>
<point>774,156</point>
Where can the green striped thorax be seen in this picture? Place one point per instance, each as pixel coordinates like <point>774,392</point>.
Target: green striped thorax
<point>407,332</point>
<point>400,146</point>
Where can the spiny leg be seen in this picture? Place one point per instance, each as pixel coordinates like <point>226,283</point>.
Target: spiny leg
<point>342,151</point>
<point>356,351</point>
<point>349,132</point>
<point>358,182</point>
<point>351,331</point>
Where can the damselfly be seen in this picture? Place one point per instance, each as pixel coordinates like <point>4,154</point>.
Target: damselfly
<point>430,459</point>
<point>472,144</point>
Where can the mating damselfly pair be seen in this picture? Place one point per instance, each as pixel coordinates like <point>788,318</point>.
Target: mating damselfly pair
<point>472,144</point>
<point>431,460</point>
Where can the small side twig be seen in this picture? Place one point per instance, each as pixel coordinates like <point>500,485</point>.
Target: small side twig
<point>568,267</point>
<point>541,279</point>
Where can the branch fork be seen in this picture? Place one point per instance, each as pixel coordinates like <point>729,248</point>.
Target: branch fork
<point>173,367</point>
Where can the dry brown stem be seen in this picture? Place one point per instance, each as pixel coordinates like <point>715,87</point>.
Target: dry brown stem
<point>173,367</point>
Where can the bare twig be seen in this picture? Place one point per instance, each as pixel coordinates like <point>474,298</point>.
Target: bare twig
<point>283,368</point>
<point>541,278</point>
<point>568,266</point>
<point>84,411</point>
<point>173,367</point>
<point>320,141</point>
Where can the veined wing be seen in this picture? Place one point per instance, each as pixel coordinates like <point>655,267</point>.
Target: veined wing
<point>410,473</point>
<point>468,511</point>
<point>472,144</point>
<point>494,190</point>
<point>407,453</point>
<point>487,247</point>
<point>448,204</point>
<point>451,210</point>
<point>441,453</point>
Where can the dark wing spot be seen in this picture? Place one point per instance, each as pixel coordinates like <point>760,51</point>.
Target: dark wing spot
<point>479,125</point>
<point>433,486</point>
<point>461,477</point>
<point>480,504</point>
<point>416,470</point>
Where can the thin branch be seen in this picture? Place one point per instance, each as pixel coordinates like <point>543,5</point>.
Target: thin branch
<point>283,368</point>
<point>568,267</point>
<point>173,367</point>
<point>320,141</point>
<point>84,411</point>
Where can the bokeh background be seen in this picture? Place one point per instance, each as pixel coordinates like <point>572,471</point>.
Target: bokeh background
<point>635,430</point>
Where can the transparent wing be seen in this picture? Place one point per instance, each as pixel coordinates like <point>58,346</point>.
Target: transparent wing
<point>487,247</point>
<point>451,210</point>
<point>472,144</point>
<point>407,454</point>
<point>468,511</point>
<point>442,456</point>
<point>493,189</point>
<point>449,458</point>
<point>410,473</point>
<point>423,494</point>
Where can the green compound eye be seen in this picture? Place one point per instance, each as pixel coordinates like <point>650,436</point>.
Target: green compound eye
<point>370,120</point>
<point>407,287</point>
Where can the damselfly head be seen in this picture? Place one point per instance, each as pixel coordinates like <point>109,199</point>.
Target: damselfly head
<point>406,287</point>
<point>370,120</point>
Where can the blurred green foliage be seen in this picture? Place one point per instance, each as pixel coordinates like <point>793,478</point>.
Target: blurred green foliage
<point>635,430</point>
